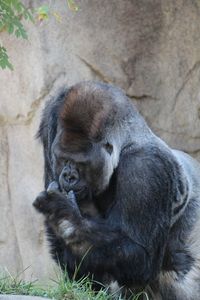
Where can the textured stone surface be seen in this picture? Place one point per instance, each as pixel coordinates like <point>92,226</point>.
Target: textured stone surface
<point>149,48</point>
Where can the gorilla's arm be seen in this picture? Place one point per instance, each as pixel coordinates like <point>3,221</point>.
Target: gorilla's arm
<point>129,244</point>
<point>106,250</point>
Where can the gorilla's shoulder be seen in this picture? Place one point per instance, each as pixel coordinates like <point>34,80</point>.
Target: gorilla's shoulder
<point>154,166</point>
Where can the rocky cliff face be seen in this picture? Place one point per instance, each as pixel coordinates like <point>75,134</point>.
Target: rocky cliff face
<point>149,48</point>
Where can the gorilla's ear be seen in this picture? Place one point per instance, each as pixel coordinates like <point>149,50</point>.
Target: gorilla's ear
<point>48,129</point>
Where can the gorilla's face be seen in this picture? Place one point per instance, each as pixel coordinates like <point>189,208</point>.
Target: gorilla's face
<point>87,145</point>
<point>82,166</point>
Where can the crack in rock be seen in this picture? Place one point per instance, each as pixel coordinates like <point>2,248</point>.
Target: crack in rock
<point>95,70</point>
<point>106,79</point>
<point>141,97</point>
<point>187,78</point>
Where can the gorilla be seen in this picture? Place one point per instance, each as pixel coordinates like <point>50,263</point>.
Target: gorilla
<point>119,203</point>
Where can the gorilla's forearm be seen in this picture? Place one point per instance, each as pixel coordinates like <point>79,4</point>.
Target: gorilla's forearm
<point>110,250</point>
<point>102,246</point>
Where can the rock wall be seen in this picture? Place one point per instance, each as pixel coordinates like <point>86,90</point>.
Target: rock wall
<point>149,48</point>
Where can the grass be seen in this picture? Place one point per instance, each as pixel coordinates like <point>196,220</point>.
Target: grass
<point>62,289</point>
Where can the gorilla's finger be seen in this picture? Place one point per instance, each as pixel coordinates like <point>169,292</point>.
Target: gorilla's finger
<point>53,187</point>
<point>71,198</point>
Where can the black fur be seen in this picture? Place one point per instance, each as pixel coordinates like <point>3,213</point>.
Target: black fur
<point>133,238</point>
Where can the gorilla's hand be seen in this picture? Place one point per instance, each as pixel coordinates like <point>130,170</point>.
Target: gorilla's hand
<point>56,206</point>
<point>61,212</point>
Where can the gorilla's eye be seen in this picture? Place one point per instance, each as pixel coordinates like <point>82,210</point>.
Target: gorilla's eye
<point>109,148</point>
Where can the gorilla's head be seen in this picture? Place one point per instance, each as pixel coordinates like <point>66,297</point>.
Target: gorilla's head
<point>89,137</point>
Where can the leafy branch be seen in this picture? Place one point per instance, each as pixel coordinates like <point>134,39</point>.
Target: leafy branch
<point>12,14</point>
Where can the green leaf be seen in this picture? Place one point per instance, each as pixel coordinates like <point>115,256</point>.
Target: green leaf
<point>10,28</point>
<point>19,7</point>
<point>4,59</point>
<point>43,13</point>
<point>17,33</point>
<point>1,25</point>
<point>72,5</point>
<point>24,34</point>
<point>9,66</point>
<point>3,63</point>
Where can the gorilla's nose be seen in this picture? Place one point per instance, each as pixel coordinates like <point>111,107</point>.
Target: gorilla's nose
<point>69,176</point>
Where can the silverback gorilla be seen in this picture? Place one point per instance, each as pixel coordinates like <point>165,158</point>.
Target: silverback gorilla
<point>118,196</point>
